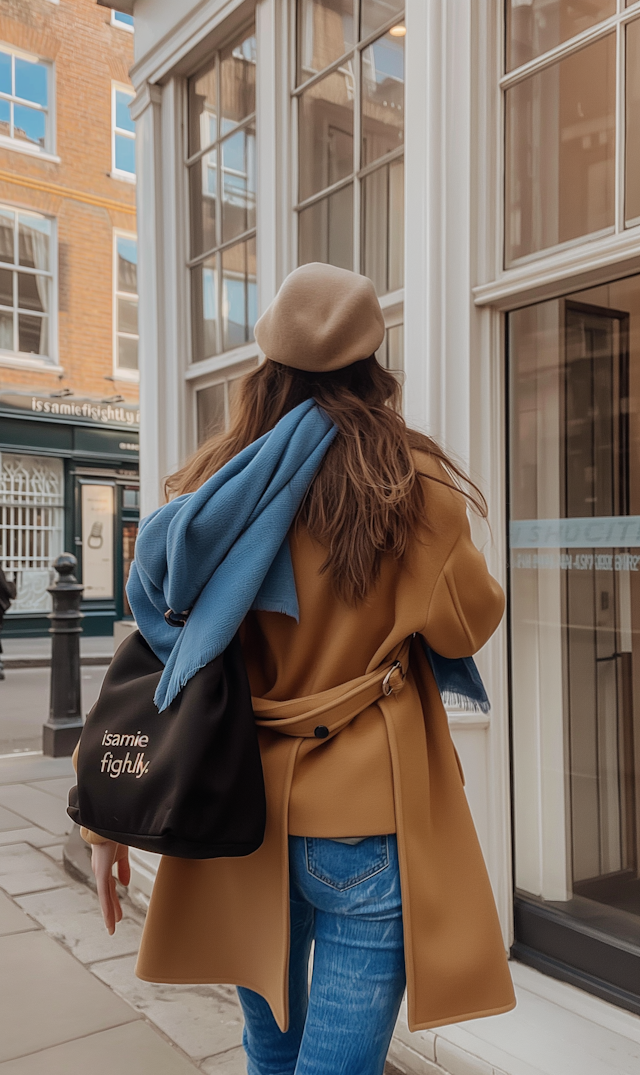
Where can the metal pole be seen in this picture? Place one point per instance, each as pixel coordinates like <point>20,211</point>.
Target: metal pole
<point>62,730</point>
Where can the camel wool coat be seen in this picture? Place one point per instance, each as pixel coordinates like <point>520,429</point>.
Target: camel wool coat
<point>352,745</point>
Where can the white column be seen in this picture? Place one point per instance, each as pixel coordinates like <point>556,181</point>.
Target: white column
<point>146,111</point>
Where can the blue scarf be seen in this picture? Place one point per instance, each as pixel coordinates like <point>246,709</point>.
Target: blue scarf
<point>223,550</point>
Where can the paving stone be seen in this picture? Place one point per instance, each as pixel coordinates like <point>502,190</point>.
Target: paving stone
<point>19,769</point>
<point>72,916</point>
<point>201,1019</point>
<point>37,807</point>
<point>47,997</point>
<point>12,919</point>
<point>34,836</point>
<point>54,852</point>
<point>9,820</point>
<point>459,1062</point>
<point>58,786</point>
<point>23,869</point>
<point>134,1048</point>
<point>233,1062</point>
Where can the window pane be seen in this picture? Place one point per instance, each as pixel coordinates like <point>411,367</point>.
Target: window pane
<point>632,172</point>
<point>239,294</point>
<point>325,133</point>
<point>5,118</point>
<point>204,306</point>
<point>126,20</point>
<point>7,225</point>
<point>383,227</point>
<point>123,115</point>
<point>325,230</point>
<point>127,253</point>
<point>382,97</point>
<point>32,334</point>
<point>238,183</point>
<point>6,287</point>
<point>127,353</point>
<point>211,413</point>
<point>31,81</point>
<point>29,125</point>
<point>202,185</point>
<point>560,150</point>
<point>203,104</point>
<point>375,13</point>
<point>127,315</point>
<point>33,242</point>
<point>5,72</point>
<point>238,83</point>
<point>575,603</point>
<point>33,292</point>
<point>539,25</point>
<point>325,32</point>
<point>6,332</point>
<point>125,154</point>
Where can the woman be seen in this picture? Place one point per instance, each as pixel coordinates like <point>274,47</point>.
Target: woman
<point>370,851</point>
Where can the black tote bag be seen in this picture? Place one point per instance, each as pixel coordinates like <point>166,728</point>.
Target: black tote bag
<point>186,782</point>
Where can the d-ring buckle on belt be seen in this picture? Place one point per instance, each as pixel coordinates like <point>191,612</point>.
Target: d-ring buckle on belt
<point>387,689</point>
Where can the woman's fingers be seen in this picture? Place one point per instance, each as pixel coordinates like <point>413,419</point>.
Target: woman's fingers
<point>124,869</point>
<point>103,857</point>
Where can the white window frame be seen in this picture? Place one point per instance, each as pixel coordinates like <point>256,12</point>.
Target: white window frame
<point>119,173</point>
<point>121,25</point>
<point>23,359</point>
<point>120,373</point>
<point>9,142</point>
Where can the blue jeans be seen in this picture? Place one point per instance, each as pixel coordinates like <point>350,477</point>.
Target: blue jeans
<point>346,898</point>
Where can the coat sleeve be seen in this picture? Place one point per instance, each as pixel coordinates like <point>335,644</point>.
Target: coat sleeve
<point>467,603</point>
<point>87,835</point>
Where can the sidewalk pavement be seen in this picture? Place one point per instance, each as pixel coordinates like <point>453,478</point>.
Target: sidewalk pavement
<point>36,652</point>
<point>69,1001</point>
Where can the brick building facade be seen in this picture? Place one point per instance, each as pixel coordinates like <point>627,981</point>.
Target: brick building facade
<point>68,302</point>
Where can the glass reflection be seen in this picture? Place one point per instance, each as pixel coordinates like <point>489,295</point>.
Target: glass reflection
<point>5,72</point>
<point>632,142</point>
<point>127,353</point>
<point>560,151</point>
<point>238,83</point>
<point>382,97</point>
<point>325,132</point>
<point>325,33</point>
<point>202,193</point>
<point>29,125</point>
<point>203,104</point>
<point>204,299</point>
<point>32,334</point>
<point>238,183</point>
<point>383,227</point>
<point>376,13</point>
<point>575,600</point>
<point>123,115</point>
<point>325,230</point>
<point>127,255</point>
<point>6,332</point>
<point>7,232</point>
<point>239,294</point>
<point>33,242</point>
<point>211,411</point>
<point>31,81</point>
<point>536,26</point>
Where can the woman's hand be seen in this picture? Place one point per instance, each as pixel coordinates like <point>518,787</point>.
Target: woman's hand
<point>103,858</point>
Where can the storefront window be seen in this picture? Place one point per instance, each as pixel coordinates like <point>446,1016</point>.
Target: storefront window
<point>575,615</point>
<point>350,101</point>
<point>31,526</point>
<point>221,167</point>
<point>569,106</point>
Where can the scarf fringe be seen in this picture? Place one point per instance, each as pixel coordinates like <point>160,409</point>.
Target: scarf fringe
<point>453,700</point>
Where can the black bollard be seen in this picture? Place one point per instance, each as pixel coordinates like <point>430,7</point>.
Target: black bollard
<point>62,730</point>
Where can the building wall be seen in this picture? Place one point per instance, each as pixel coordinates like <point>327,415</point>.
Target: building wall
<point>76,187</point>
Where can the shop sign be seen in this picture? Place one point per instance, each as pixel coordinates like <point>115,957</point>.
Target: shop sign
<point>98,512</point>
<point>65,407</point>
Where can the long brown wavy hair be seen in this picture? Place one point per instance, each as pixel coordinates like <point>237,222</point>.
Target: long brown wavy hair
<point>365,501</point>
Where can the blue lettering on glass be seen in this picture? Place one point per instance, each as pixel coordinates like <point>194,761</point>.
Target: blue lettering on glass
<point>31,81</point>
<point>606,532</point>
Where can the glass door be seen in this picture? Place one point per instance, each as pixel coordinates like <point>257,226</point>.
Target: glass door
<point>575,635</point>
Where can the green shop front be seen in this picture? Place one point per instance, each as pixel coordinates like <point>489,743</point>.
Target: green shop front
<point>68,482</point>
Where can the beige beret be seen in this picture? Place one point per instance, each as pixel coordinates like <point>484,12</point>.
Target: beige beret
<point>322,319</point>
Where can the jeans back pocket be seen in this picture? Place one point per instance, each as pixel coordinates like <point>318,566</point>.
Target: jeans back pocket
<point>342,866</point>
